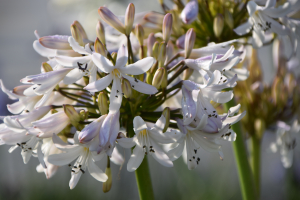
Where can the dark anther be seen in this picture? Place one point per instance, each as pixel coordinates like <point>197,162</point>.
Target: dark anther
<point>204,108</point>
<point>122,93</point>
<point>79,165</point>
<point>18,144</point>
<point>221,78</point>
<point>23,143</point>
<point>117,91</point>
<point>190,160</point>
<point>198,159</point>
<point>132,86</point>
<point>151,147</point>
<point>216,116</point>
<point>146,153</point>
<point>214,111</point>
<point>75,167</point>
<point>82,171</point>
<point>195,151</point>
<point>209,115</point>
<point>116,96</point>
<point>30,148</point>
<point>69,165</point>
<point>34,88</point>
<point>73,170</point>
<point>195,120</point>
<point>144,146</point>
<point>136,80</point>
<point>193,157</point>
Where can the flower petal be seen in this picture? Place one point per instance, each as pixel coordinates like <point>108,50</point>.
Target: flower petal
<point>122,57</point>
<point>102,63</point>
<point>160,155</point>
<point>95,171</point>
<point>139,124</point>
<point>136,158</point>
<point>64,158</point>
<point>72,61</point>
<point>139,67</point>
<point>140,86</point>
<point>116,96</point>
<point>100,84</point>
<point>76,47</point>
<point>43,51</point>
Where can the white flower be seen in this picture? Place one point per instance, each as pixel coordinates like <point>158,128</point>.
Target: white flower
<point>205,131</point>
<point>50,124</point>
<point>85,159</point>
<point>15,131</point>
<point>261,20</point>
<point>212,88</point>
<point>83,66</point>
<point>286,142</point>
<point>102,132</point>
<point>146,141</point>
<point>115,73</point>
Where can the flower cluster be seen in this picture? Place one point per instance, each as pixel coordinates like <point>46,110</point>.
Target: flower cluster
<point>114,90</point>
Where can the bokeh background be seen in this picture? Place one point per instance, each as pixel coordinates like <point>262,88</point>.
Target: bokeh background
<point>212,179</point>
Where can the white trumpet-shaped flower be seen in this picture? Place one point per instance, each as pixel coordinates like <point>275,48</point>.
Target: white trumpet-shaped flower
<point>146,141</point>
<point>119,71</point>
<point>286,142</point>
<point>82,66</point>
<point>85,159</point>
<point>262,19</point>
<point>205,131</point>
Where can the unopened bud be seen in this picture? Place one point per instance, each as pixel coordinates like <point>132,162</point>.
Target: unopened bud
<point>155,50</point>
<point>100,31</point>
<point>56,42</point>
<point>111,19</point>
<point>126,88</point>
<point>190,12</point>
<point>129,18</point>
<point>107,185</point>
<point>154,17</point>
<point>169,51</point>
<point>150,43</point>
<point>180,42</point>
<point>73,116</point>
<point>139,33</point>
<point>149,78</point>
<point>229,19</point>
<point>167,27</point>
<point>99,47</point>
<point>167,115</point>
<point>76,34</point>
<point>81,29</point>
<point>187,73</point>
<point>46,67</point>
<point>158,77</point>
<point>190,38</point>
<point>103,103</point>
<point>83,115</point>
<point>218,25</point>
<point>162,54</point>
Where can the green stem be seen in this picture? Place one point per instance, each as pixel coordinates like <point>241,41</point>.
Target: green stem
<point>255,160</point>
<point>130,53</point>
<point>240,152</point>
<point>142,174</point>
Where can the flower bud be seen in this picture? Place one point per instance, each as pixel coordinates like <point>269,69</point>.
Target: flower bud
<point>229,19</point>
<point>155,50</point>
<point>155,18</point>
<point>158,77</point>
<point>169,51</point>
<point>56,42</point>
<point>139,33</point>
<point>111,19</point>
<point>46,67</point>
<point>162,54</point>
<point>167,115</point>
<point>81,30</point>
<point>129,18</point>
<point>180,42</point>
<point>76,34</point>
<point>190,38</point>
<point>100,31</point>
<point>149,78</point>
<point>187,73</point>
<point>83,115</point>
<point>190,12</point>
<point>91,131</point>
<point>150,43</point>
<point>103,103</point>
<point>218,25</point>
<point>99,47</point>
<point>73,116</point>
<point>167,27</point>
<point>107,185</point>
<point>126,88</point>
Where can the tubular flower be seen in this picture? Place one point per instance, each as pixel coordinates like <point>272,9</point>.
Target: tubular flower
<point>85,159</point>
<point>117,72</point>
<point>146,141</point>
